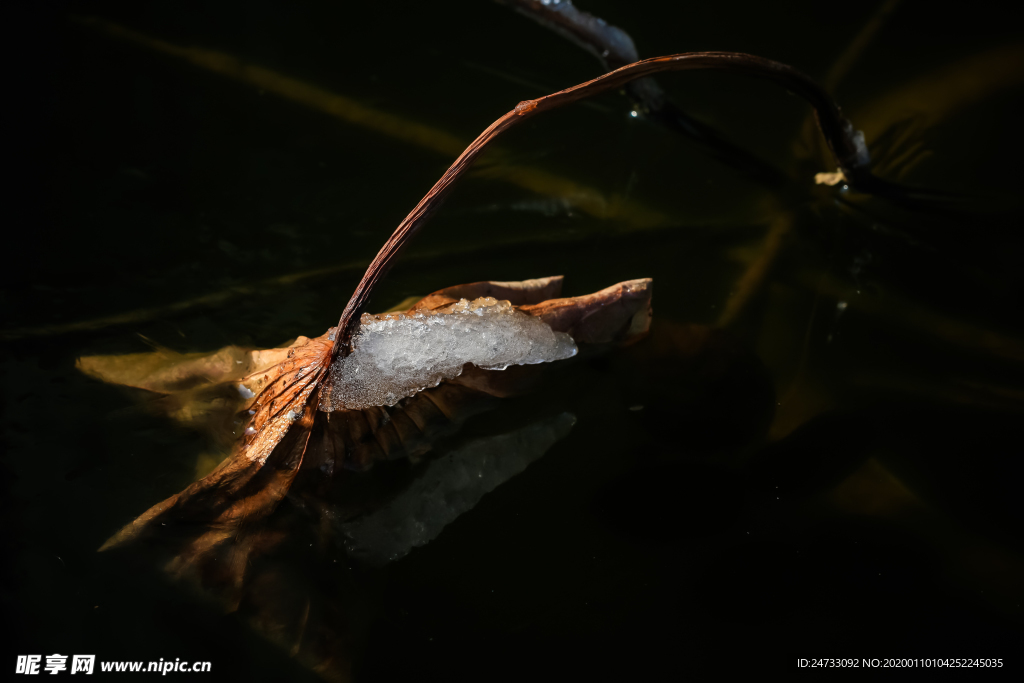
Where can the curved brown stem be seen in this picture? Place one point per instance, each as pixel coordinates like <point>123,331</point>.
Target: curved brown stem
<point>846,145</point>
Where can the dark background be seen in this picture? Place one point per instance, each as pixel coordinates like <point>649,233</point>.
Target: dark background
<point>681,539</point>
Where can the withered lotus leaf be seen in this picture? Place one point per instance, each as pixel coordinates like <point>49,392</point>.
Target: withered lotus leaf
<point>287,433</point>
<point>284,485</point>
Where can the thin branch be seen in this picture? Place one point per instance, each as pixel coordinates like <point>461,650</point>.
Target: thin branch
<point>751,283</point>
<point>846,146</point>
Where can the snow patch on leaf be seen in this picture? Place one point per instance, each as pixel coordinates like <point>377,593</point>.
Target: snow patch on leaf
<point>400,354</point>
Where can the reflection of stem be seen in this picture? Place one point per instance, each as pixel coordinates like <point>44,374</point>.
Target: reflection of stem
<point>856,47</point>
<point>614,48</point>
<point>302,630</point>
<point>851,54</point>
<point>949,390</point>
<point>911,315</point>
<point>846,146</point>
<point>353,112</point>
<point>754,276</point>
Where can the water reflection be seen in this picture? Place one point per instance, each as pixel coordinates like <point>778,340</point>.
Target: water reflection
<point>447,487</point>
<point>274,545</point>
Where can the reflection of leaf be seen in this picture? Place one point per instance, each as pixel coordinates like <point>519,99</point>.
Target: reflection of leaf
<point>448,487</point>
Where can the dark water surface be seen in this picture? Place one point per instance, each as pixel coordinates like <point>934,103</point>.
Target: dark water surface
<point>831,472</point>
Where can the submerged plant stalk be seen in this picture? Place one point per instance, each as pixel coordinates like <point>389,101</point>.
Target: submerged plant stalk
<point>614,48</point>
